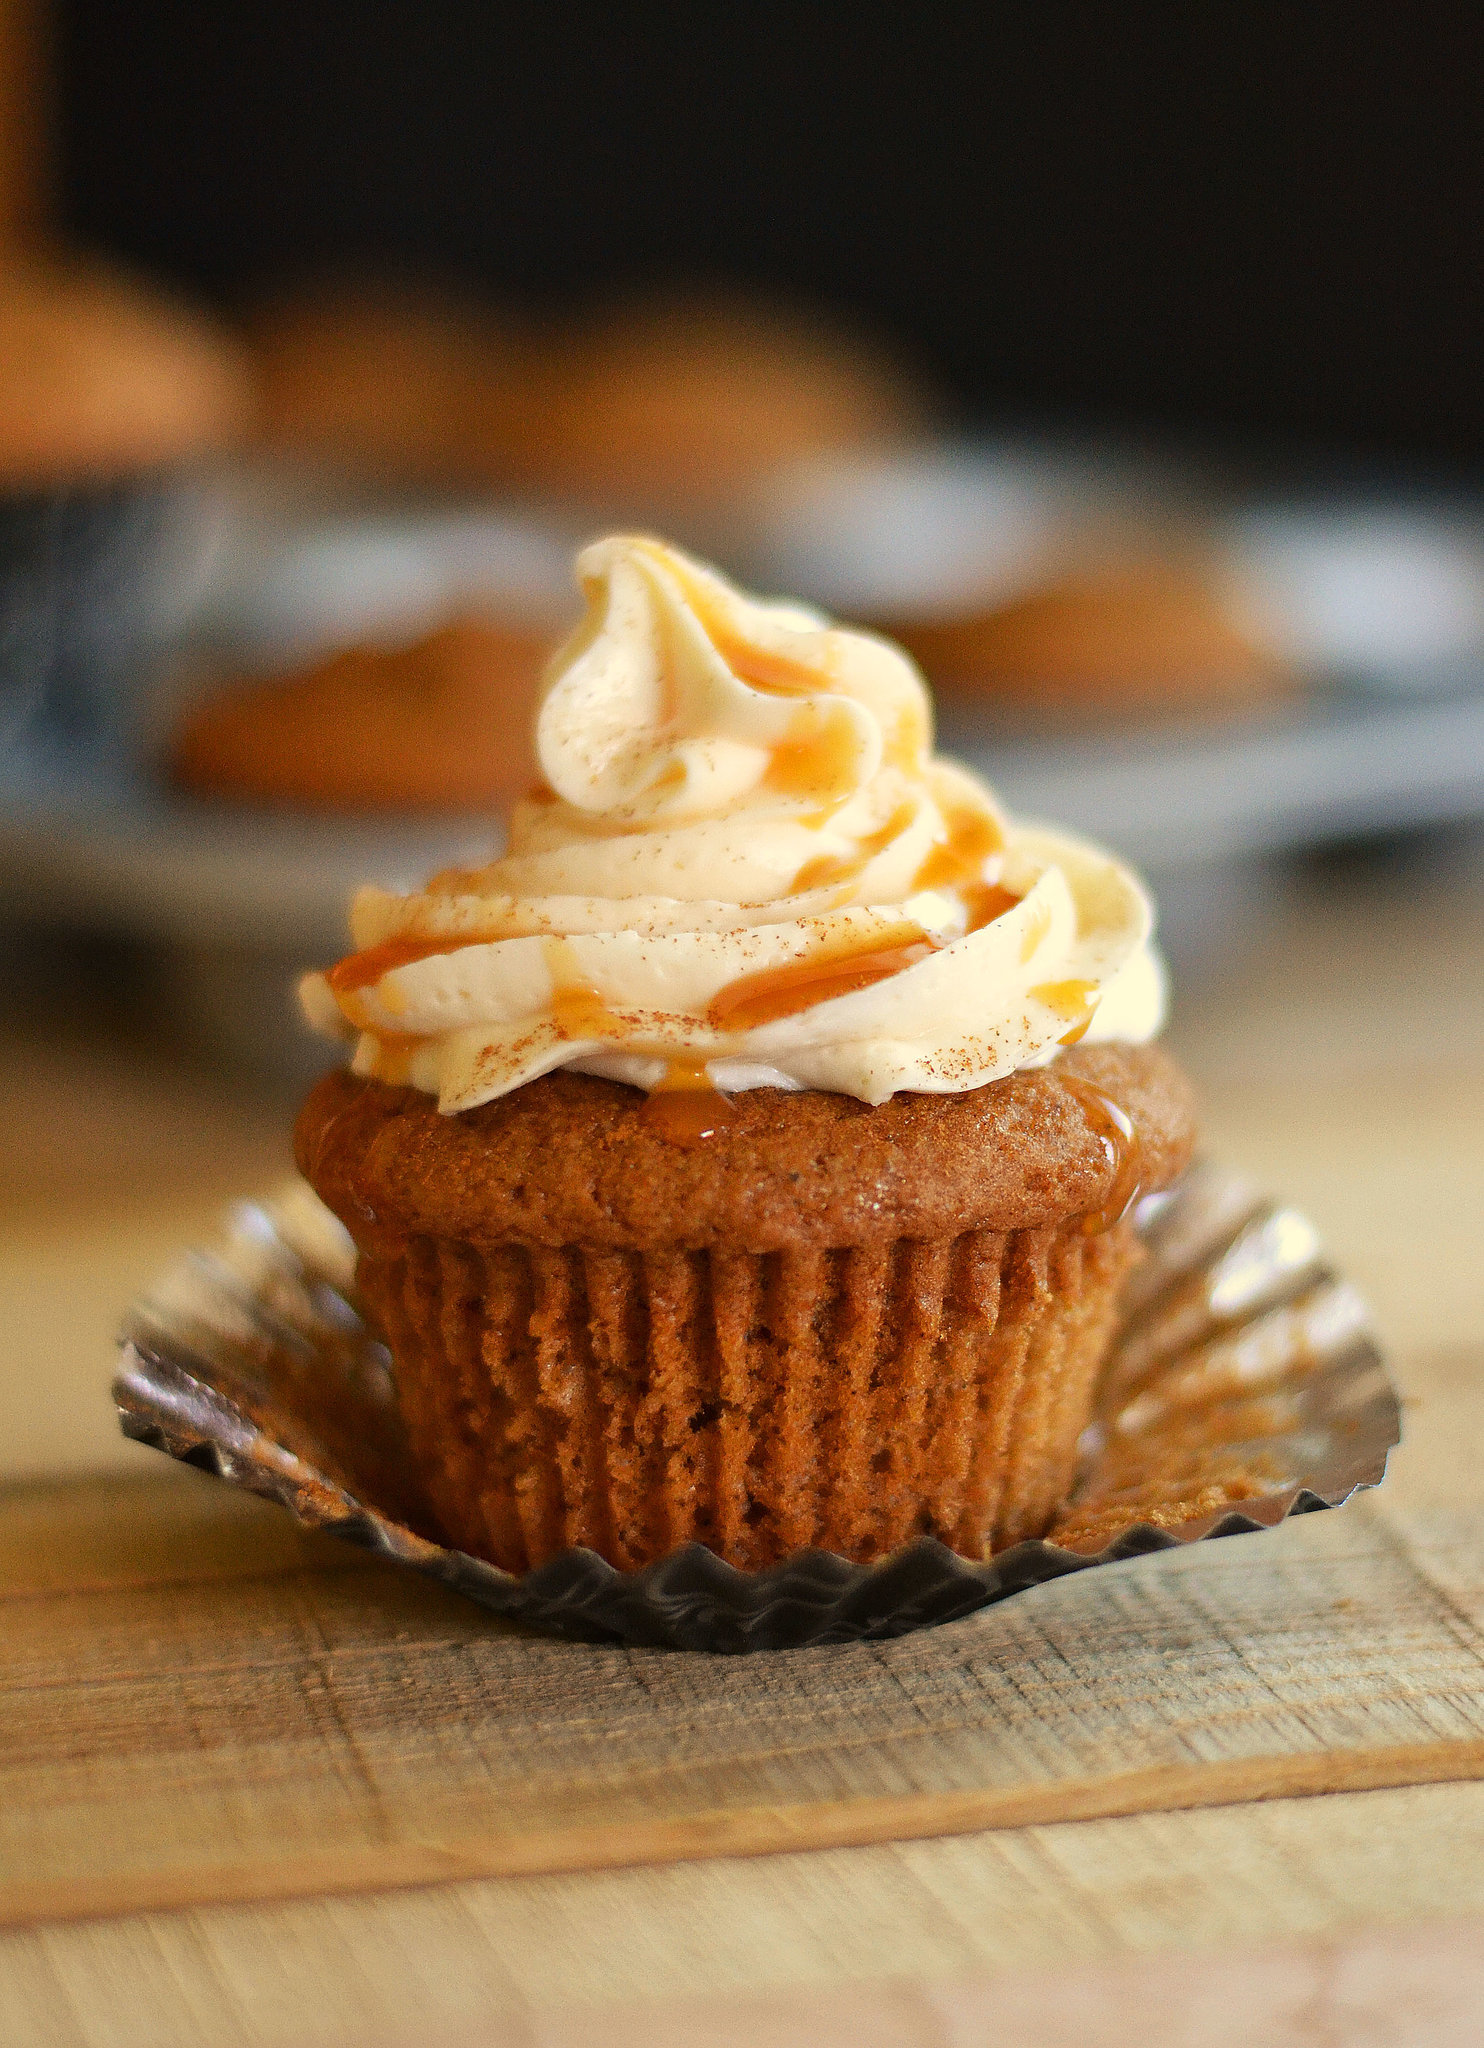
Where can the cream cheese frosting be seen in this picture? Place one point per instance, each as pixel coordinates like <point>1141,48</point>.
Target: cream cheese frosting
<point>745,868</point>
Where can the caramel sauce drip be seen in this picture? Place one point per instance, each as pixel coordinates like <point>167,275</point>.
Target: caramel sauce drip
<point>804,763</point>
<point>1074,1000</point>
<point>577,1010</point>
<point>780,675</point>
<point>457,882</point>
<point>817,758</point>
<point>686,1107</point>
<point>905,746</point>
<point>360,970</point>
<point>958,864</point>
<point>972,838</point>
<point>774,992</point>
<point>985,901</point>
<point>580,1012</point>
<point>1120,1139</point>
<point>828,870</point>
<point>1037,925</point>
<point>394,1051</point>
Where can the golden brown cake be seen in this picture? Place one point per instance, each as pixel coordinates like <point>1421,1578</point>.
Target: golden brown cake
<point>659,402</point>
<point>439,726</point>
<point>746,1155</point>
<point>102,377</point>
<point>1138,636</point>
<point>386,378</point>
<point>835,1326</point>
<point>675,402</point>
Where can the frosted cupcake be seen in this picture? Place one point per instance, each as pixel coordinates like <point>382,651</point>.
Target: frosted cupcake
<point>745,1156</point>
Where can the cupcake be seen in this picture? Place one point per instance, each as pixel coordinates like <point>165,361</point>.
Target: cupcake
<point>678,401</point>
<point>108,392</point>
<point>1132,636</point>
<point>746,1156</point>
<point>442,725</point>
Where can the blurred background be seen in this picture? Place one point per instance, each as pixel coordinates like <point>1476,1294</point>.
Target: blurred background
<point>1126,369</point>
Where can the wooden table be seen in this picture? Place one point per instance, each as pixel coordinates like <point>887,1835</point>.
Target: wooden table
<point>1337,1037</point>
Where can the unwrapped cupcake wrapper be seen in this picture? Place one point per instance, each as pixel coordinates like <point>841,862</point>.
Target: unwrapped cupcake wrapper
<point>1244,1385</point>
<point>844,1400</point>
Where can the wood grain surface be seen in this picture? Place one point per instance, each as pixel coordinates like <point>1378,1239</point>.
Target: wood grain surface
<point>1338,1044</point>
<point>212,1708</point>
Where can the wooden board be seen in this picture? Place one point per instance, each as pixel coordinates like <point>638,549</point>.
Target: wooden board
<point>1339,1060</point>
<point>203,1705</point>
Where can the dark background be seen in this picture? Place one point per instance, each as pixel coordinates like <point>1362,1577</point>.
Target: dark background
<point>1227,223</point>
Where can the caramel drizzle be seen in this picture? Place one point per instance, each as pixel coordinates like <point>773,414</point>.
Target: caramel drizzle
<point>1119,1136</point>
<point>817,753</point>
<point>685,1106</point>
<point>957,865</point>
<point>816,757</point>
<point>394,1054</point>
<point>985,901</point>
<point>1037,925</point>
<point>359,970</point>
<point>972,838</point>
<point>1075,1000</point>
<point>577,1009</point>
<point>773,992</point>
<point>829,870</point>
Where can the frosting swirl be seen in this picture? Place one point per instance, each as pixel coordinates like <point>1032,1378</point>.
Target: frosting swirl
<point>746,869</point>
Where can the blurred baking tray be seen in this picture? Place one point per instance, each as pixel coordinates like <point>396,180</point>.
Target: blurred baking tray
<point>109,851</point>
<point>1188,795</point>
<point>1394,579</point>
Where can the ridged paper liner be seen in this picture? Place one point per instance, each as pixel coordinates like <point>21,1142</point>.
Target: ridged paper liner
<point>1243,1385</point>
<point>762,1405</point>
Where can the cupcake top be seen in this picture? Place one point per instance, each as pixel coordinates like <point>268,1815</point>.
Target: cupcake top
<point>419,728</point>
<point>101,376</point>
<point>745,868</point>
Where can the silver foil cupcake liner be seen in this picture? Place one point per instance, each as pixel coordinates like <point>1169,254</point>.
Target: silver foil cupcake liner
<point>1245,1385</point>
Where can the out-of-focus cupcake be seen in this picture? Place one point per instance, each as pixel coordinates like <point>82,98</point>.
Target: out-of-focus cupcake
<point>678,403</point>
<point>747,1155</point>
<point>1031,578</point>
<point>657,405</point>
<point>1157,634</point>
<point>381,379</point>
<point>109,392</point>
<point>440,725</point>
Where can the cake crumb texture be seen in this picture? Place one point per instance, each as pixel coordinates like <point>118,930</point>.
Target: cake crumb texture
<point>843,1399</point>
<point>569,1159</point>
<point>830,1326</point>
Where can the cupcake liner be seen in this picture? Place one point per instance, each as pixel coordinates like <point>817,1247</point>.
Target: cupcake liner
<point>1244,1385</point>
<point>844,1400</point>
